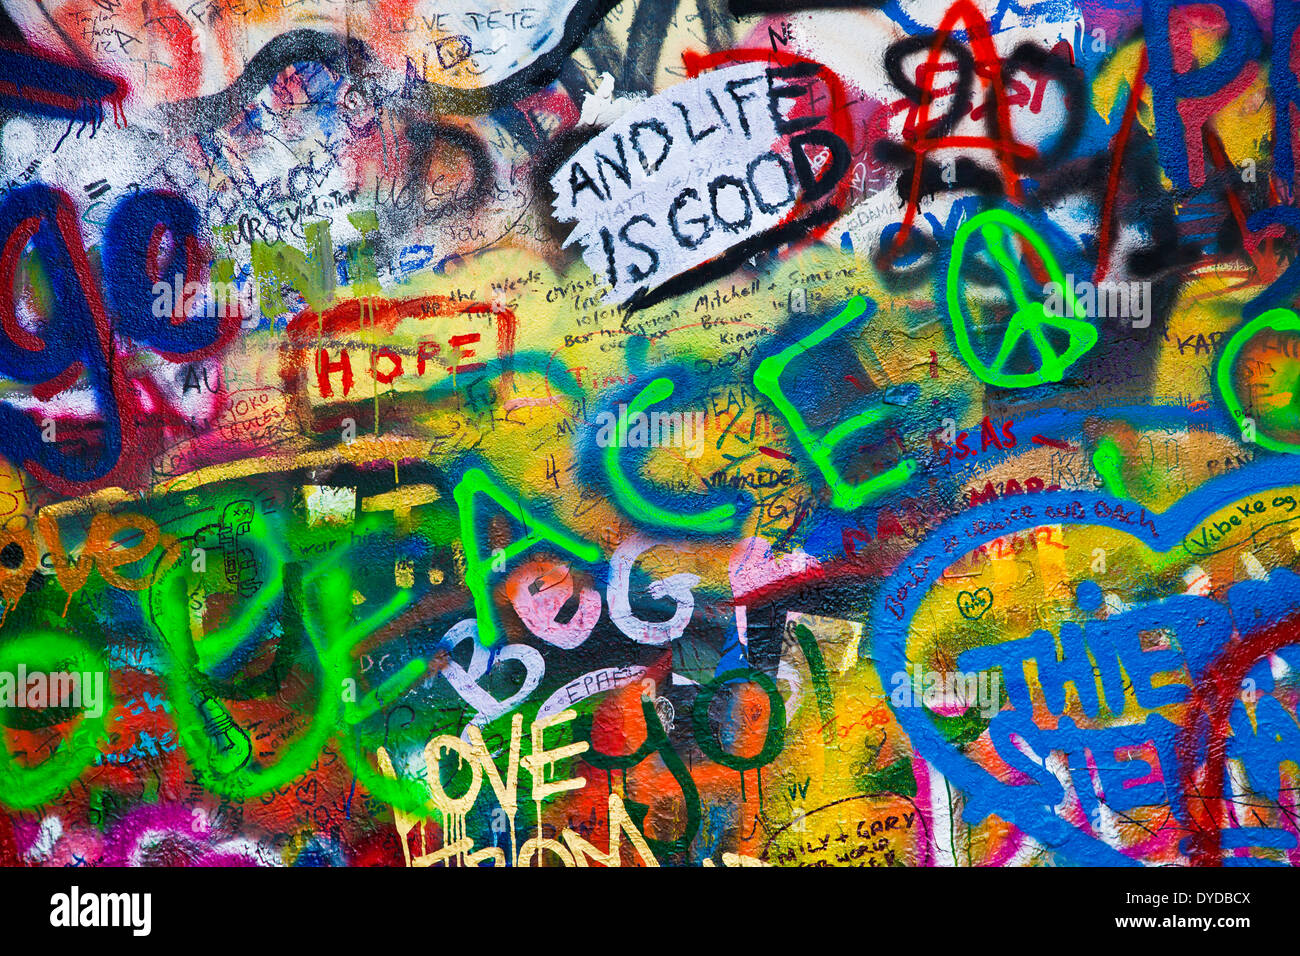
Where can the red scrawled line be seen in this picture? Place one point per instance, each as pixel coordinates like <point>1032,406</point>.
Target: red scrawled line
<point>1118,148</point>
<point>1053,442</point>
<point>1264,268</point>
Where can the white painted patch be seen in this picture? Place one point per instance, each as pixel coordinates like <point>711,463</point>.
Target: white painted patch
<point>679,180</point>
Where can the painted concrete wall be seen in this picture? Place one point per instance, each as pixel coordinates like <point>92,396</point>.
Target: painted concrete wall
<point>842,434</point>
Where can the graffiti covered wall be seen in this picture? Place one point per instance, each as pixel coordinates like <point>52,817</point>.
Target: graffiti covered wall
<point>580,432</point>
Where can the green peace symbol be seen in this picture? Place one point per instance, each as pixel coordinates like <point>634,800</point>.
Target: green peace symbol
<point>1030,318</point>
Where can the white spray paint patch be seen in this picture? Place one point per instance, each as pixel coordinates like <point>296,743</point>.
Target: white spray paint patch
<point>687,175</point>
